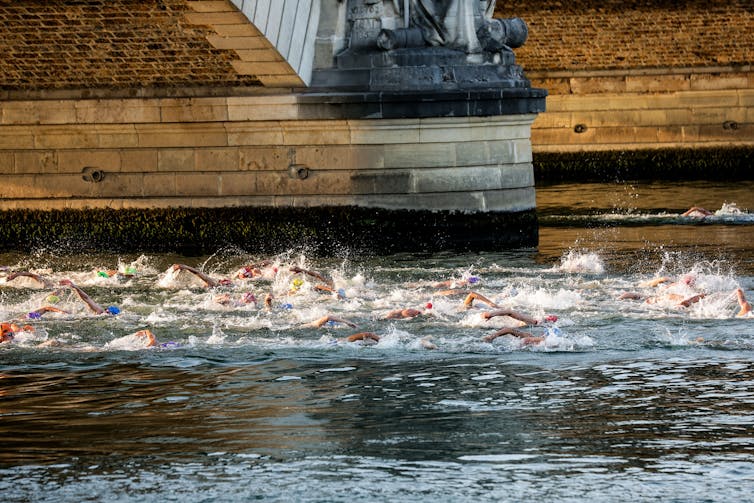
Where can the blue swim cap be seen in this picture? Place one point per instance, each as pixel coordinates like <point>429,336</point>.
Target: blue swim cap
<point>112,310</point>
<point>286,306</point>
<point>34,315</point>
<point>473,279</point>
<point>170,345</point>
<point>342,293</point>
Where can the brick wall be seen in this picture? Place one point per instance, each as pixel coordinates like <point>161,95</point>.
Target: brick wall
<point>633,34</point>
<point>54,44</point>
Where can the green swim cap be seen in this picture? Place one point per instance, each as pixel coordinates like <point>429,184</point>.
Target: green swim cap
<point>130,270</point>
<point>103,274</point>
<point>53,299</point>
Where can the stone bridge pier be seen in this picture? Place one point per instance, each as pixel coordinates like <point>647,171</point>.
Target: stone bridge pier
<point>364,123</point>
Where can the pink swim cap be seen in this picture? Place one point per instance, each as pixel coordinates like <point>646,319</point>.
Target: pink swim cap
<point>429,305</point>
<point>551,318</point>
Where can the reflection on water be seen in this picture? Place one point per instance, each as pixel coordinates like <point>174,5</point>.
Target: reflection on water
<point>629,400</point>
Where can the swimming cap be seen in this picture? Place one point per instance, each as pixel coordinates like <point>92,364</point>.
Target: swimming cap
<point>53,299</point>
<point>296,284</point>
<point>103,274</point>
<point>473,279</point>
<point>429,305</point>
<point>551,318</point>
<point>286,306</point>
<point>130,270</point>
<point>34,315</point>
<point>341,293</point>
<point>249,298</point>
<point>112,310</point>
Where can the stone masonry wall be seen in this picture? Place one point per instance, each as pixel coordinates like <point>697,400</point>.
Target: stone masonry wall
<point>632,34</point>
<point>83,44</point>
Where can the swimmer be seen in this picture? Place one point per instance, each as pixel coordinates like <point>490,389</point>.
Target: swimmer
<point>9,331</point>
<point>471,296</point>
<point>404,314</point>
<point>254,271</point>
<point>331,320</point>
<point>528,320</point>
<point>526,337</point>
<point>457,283</point>
<point>36,277</point>
<point>742,303</point>
<point>37,313</point>
<point>225,299</point>
<point>328,282</point>
<point>96,308</point>
<point>141,339</point>
<point>129,273</point>
<point>696,212</point>
<point>209,282</point>
<point>363,337</point>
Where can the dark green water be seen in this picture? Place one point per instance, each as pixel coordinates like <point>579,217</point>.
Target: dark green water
<point>627,401</point>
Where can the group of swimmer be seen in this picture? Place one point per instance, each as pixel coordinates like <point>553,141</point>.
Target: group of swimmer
<point>680,292</point>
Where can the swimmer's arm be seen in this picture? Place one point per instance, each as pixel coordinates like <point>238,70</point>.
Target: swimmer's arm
<point>691,300</point>
<point>742,303</point>
<point>96,308</point>
<point>148,335</point>
<point>325,319</point>
<point>655,281</point>
<point>296,269</point>
<point>199,274</point>
<point>49,309</point>
<point>361,336</point>
<point>512,314</point>
<point>36,277</point>
<point>472,296</point>
<point>507,331</point>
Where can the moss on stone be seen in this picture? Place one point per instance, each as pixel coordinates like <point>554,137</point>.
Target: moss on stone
<point>718,164</point>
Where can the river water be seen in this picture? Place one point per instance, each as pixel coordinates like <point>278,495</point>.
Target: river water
<point>624,400</point>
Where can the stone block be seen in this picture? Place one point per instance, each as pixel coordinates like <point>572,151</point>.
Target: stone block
<point>176,159</point>
<point>282,107</point>
<point>7,164</point>
<point>238,184</point>
<point>710,82</point>
<point>470,178</point>
<point>381,182</point>
<point>215,18</point>
<point>217,159</point>
<point>118,185</point>
<point>35,161</point>
<point>16,137</point>
<point>254,133</point>
<point>116,111</point>
<point>116,136</point>
<point>522,152</point>
<point>657,83</point>
<point>259,56</point>
<point>197,185</point>
<point>500,152</point>
<point>61,185</point>
<point>182,135</point>
<point>194,110</point>
<point>37,112</point>
<point>291,80</point>
<point>231,43</point>
<point>237,30</point>
<point>331,132</point>
<point>553,120</point>
<point>25,186</point>
<point>266,158</point>
<point>159,184</point>
<point>713,99</point>
<point>263,68</point>
<point>141,160</point>
<point>597,85</point>
<point>210,6</point>
<point>52,137</point>
<point>74,161</point>
<point>473,153</point>
<point>521,199</point>
<point>746,96</point>
<point>413,155</point>
<point>388,131</point>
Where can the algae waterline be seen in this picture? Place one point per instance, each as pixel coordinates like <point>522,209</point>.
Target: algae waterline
<point>265,230</point>
<point>717,164</point>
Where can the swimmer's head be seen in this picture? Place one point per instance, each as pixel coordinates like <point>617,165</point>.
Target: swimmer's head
<point>341,293</point>
<point>428,306</point>
<point>225,282</point>
<point>6,336</point>
<point>472,280</point>
<point>34,315</point>
<point>551,318</point>
<point>688,279</point>
<point>103,274</point>
<point>286,306</point>
<point>112,310</point>
<point>53,299</point>
<point>249,298</point>
<point>297,283</point>
<point>130,270</point>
